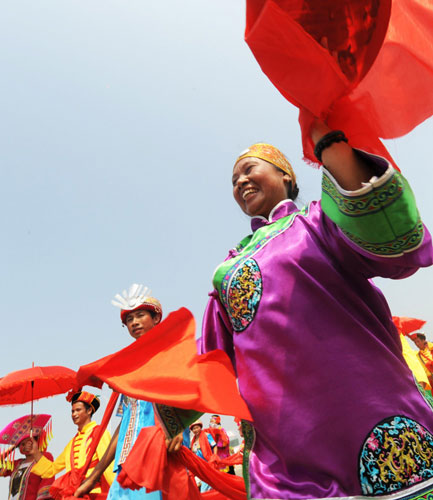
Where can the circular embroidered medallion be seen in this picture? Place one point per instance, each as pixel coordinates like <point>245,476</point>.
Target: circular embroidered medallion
<point>244,294</point>
<point>398,453</point>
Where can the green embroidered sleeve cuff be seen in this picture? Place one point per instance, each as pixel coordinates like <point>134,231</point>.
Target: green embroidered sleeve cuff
<point>175,420</point>
<point>381,217</point>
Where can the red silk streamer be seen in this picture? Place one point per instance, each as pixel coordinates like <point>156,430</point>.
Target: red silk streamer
<point>364,66</point>
<point>150,466</point>
<point>163,367</point>
<point>64,487</point>
<point>235,459</point>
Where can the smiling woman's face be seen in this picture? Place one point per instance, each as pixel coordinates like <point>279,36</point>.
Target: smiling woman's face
<point>258,186</point>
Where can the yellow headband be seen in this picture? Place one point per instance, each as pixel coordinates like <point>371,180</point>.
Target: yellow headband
<point>270,154</point>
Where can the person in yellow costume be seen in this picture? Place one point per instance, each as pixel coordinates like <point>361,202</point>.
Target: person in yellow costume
<point>74,455</point>
<point>425,355</point>
<point>414,363</point>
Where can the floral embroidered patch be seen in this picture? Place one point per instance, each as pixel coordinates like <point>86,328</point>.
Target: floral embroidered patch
<point>244,294</point>
<point>397,454</point>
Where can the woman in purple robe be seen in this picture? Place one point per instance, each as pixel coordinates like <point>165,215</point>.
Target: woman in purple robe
<point>336,410</point>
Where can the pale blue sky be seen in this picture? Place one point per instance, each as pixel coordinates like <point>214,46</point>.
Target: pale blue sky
<point>120,121</point>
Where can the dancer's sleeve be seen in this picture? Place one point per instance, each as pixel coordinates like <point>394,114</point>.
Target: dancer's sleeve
<point>379,222</point>
<point>175,420</point>
<point>47,467</point>
<point>45,483</point>
<point>217,331</point>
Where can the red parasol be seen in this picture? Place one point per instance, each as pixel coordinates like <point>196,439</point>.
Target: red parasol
<point>365,66</point>
<point>35,383</point>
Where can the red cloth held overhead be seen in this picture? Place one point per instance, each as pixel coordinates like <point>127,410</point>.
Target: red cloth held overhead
<point>365,66</point>
<point>163,367</point>
<point>407,325</point>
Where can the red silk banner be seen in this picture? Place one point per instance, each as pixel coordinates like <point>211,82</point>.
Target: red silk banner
<point>163,367</point>
<point>364,66</point>
<point>407,325</point>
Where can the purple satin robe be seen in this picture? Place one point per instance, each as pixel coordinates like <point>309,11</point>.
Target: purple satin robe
<point>318,359</point>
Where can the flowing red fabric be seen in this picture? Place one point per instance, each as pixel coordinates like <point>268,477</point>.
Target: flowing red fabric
<point>365,66</point>
<point>150,466</point>
<point>163,367</point>
<point>407,325</point>
<point>235,459</point>
<point>64,487</point>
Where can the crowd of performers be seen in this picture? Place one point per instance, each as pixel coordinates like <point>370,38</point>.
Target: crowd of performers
<point>32,477</point>
<point>293,297</point>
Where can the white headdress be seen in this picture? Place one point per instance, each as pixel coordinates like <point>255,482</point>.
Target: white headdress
<point>138,296</point>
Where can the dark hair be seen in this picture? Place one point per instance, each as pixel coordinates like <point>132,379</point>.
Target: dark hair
<point>86,406</point>
<point>292,191</point>
<point>421,336</point>
<point>152,313</point>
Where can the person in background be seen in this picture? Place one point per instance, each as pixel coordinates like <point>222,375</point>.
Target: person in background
<point>23,434</point>
<point>414,363</point>
<point>221,439</point>
<point>425,354</point>
<point>73,457</point>
<point>204,446</point>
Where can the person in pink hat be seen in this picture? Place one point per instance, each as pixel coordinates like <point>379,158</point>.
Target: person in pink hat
<point>21,434</point>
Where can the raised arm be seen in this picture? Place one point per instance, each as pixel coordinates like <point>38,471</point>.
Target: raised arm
<point>373,207</point>
<point>45,467</point>
<point>347,168</point>
<point>174,421</point>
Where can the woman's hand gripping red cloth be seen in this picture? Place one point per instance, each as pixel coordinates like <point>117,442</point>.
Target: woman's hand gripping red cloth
<point>150,466</point>
<point>363,66</point>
